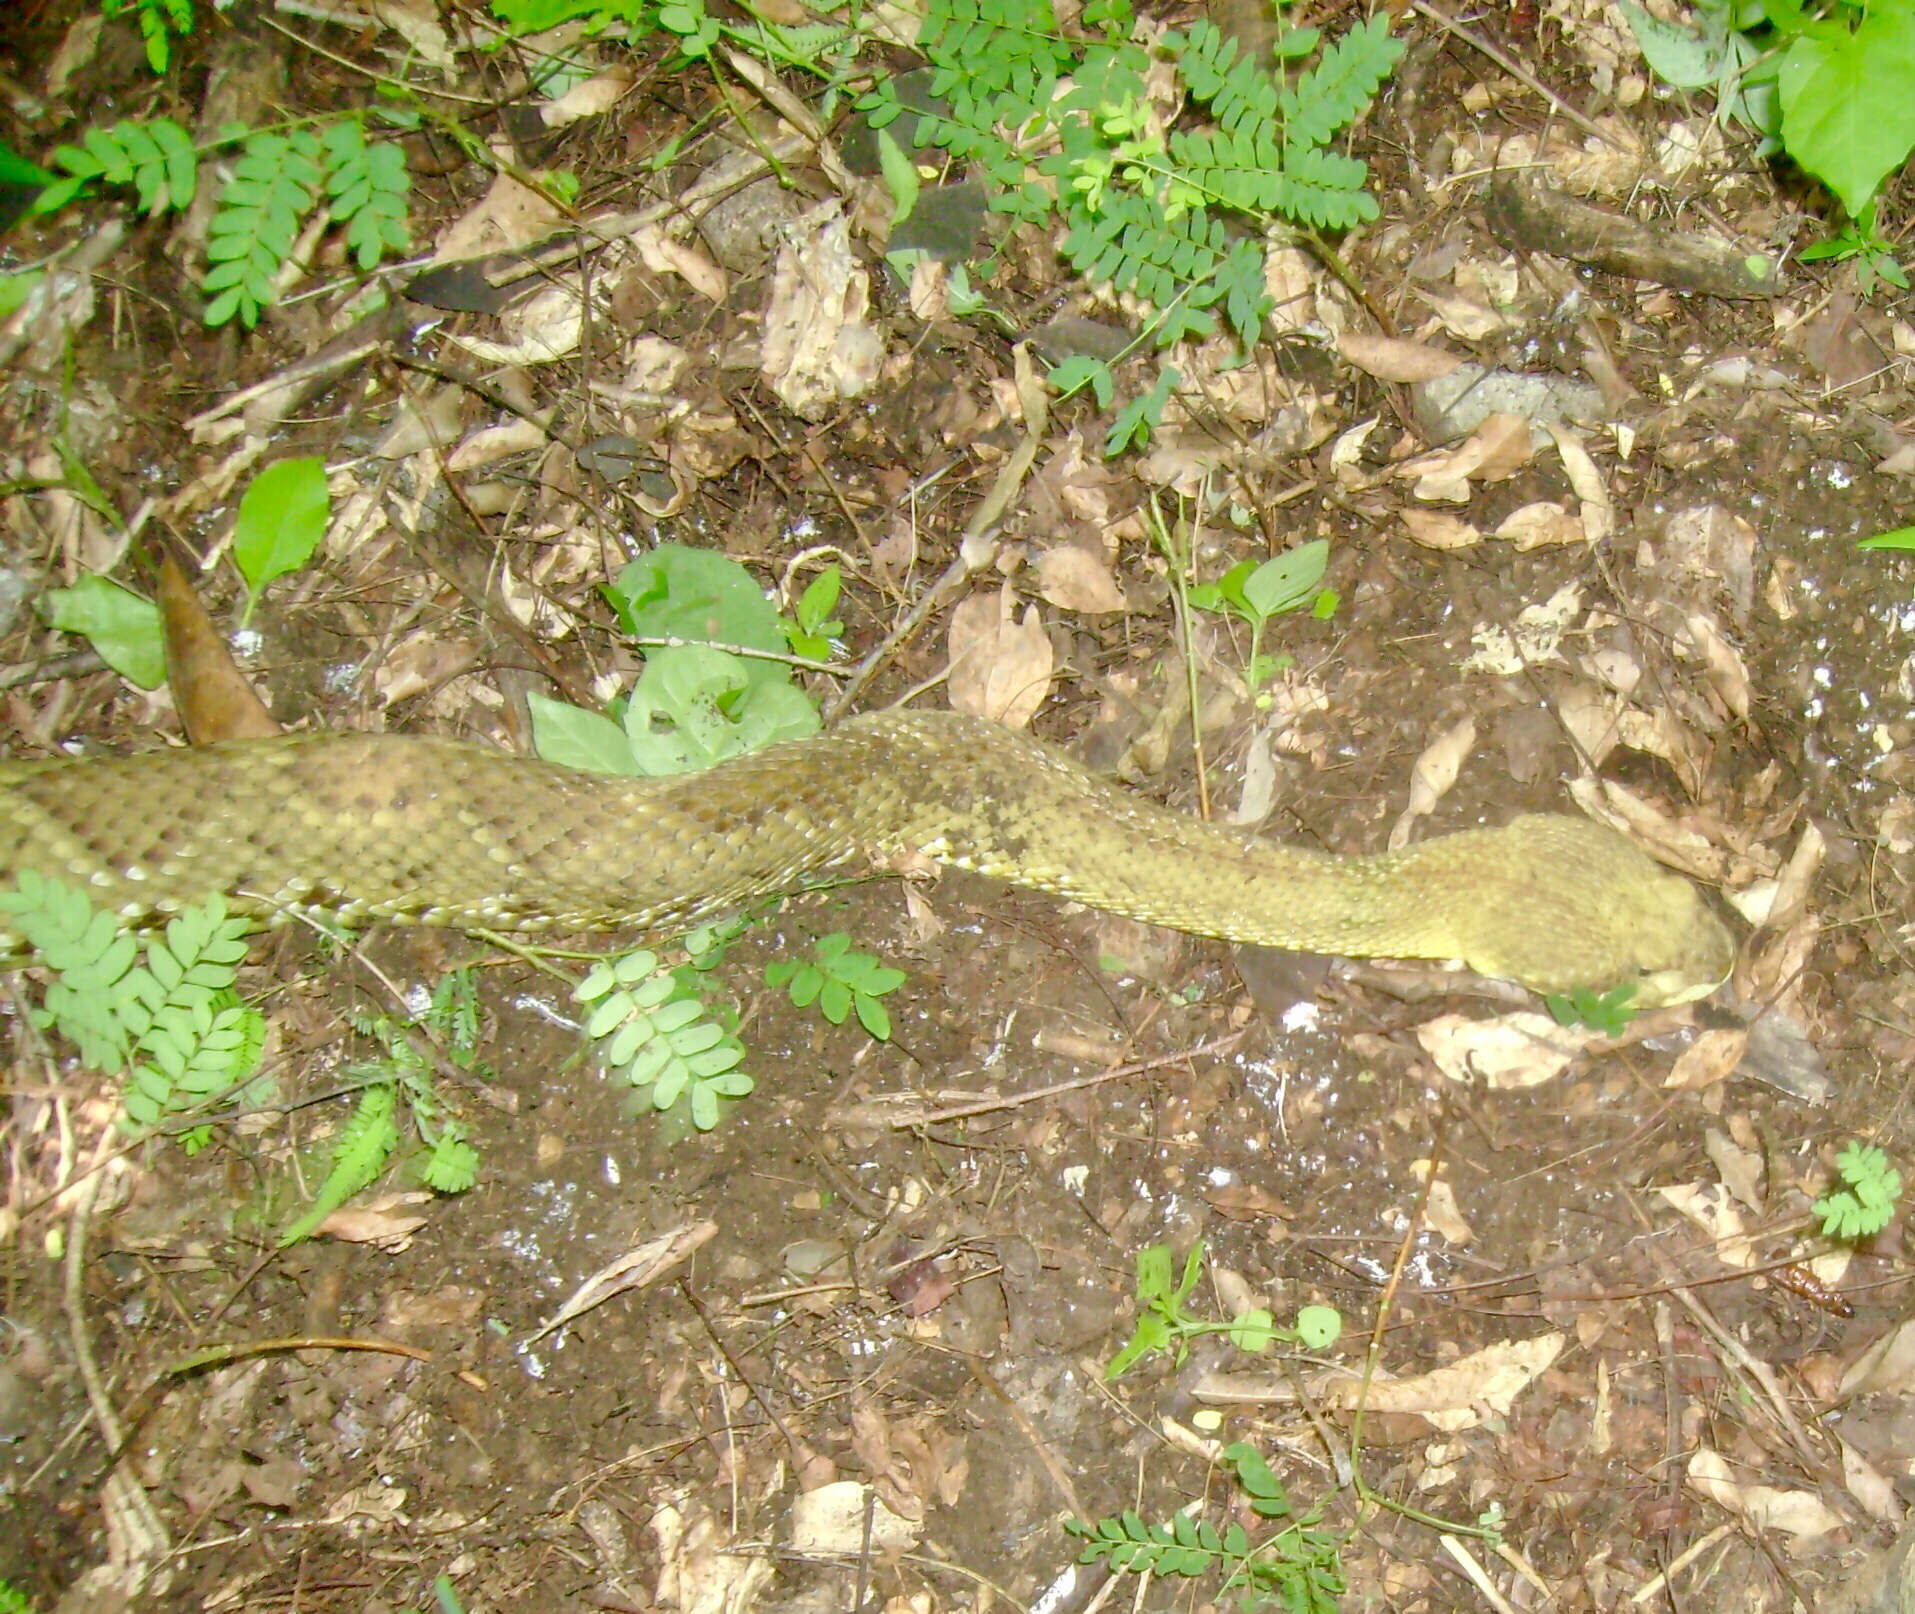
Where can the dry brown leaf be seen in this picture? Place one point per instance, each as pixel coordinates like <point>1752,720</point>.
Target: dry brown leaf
<point>1539,526</point>
<point>1461,1395</point>
<point>1440,1210</point>
<point>667,255</point>
<point>1713,1209</point>
<point>1432,776</point>
<point>420,663</point>
<point>1598,509</point>
<point>1660,835</point>
<point>818,349</point>
<point>832,1519</point>
<point>1510,1051</point>
<point>1463,317</point>
<point>1000,664</point>
<point>417,23</point>
<point>1075,580</point>
<point>508,216</point>
<point>382,1222</point>
<point>1802,1514</point>
<point>1728,675</point>
<point>589,98</point>
<point>1437,529</point>
<point>541,330</point>
<point>1711,1058</point>
<point>1592,720</point>
<point>1390,358</point>
<point>1869,1486</point>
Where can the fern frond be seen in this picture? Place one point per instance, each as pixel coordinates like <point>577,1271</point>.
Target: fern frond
<point>364,1145</point>
<point>1331,94</point>
<point>156,158</point>
<point>1325,188</point>
<point>369,186</point>
<point>273,190</point>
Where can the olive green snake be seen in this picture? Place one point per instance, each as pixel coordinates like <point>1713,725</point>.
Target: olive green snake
<point>355,828</point>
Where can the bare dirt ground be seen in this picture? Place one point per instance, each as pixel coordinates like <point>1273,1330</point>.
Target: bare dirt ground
<point>920,1315</point>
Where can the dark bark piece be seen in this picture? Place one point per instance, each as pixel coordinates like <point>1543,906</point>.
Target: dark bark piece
<point>1530,215</point>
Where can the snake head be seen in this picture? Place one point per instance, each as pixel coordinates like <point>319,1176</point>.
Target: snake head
<point>1577,905</point>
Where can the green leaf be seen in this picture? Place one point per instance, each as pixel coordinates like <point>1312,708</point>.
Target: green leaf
<point>900,176</point>
<point>121,626</point>
<point>20,173</point>
<point>282,519</point>
<point>1902,538</point>
<point>699,595</point>
<point>693,707</point>
<point>1286,581</point>
<point>819,600</point>
<point>1675,54</point>
<point>576,738</point>
<point>873,1016</point>
<point>1848,102</point>
<point>1318,1327</point>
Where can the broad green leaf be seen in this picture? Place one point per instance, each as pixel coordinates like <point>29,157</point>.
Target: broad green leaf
<point>677,592</point>
<point>1675,54</point>
<point>1287,581</point>
<point>1318,1327</point>
<point>696,707</point>
<point>1848,102</point>
<point>121,626</point>
<point>282,518</point>
<point>570,735</point>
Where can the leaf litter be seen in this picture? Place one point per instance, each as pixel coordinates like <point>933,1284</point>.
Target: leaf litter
<point>1742,684</point>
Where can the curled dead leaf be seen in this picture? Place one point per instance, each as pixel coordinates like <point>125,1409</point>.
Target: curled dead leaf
<point>1000,663</point>
<point>1073,579</point>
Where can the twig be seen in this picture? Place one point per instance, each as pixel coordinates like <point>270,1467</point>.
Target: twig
<point>1529,80</point>
<point>871,1112</point>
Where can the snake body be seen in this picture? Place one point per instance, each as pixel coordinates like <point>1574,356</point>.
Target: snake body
<point>357,828</point>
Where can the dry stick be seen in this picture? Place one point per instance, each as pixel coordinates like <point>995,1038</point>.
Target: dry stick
<point>1527,79</point>
<point>1374,1355</point>
<point>136,1534</point>
<point>1060,1476</point>
<point>744,1378</point>
<point>1734,1350</point>
<point>975,551</point>
<point>1010,1101</point>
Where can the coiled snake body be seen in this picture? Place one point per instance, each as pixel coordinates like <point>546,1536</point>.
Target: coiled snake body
<point>425,831</point>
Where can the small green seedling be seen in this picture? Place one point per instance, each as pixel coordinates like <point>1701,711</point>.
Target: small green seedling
<point>840,981</point>
<point>656,1031</point>
<point>1298,1568</point>
<point>811,635</point>
<point>282,518</point>
<point>1256,591</point>
<point>1606,1012</point>
<point>1163,1323</point>
<point>399,1091</point>
<point>1864,1205</point>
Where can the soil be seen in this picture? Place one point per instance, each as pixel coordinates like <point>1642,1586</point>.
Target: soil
<point>923,1312</point>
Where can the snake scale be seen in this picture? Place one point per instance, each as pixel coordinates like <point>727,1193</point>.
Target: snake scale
<point>426,831</point>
